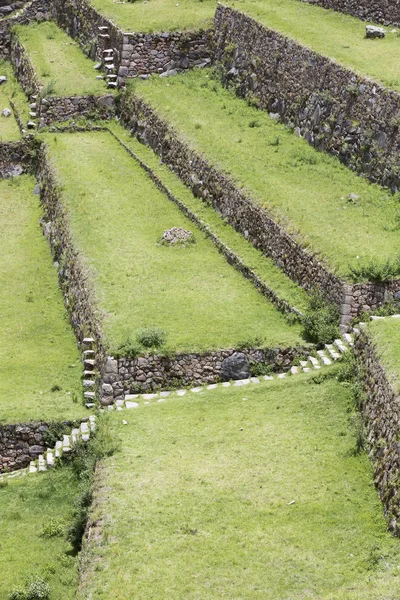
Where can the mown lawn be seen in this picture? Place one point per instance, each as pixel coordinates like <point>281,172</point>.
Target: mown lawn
<point>60,65</point>
<point>10,90</point>
<point>234,493</point>
<point>386,335</point>
<point>264,267</point>
<point>27,507</point>
<point>118,217</point>
<point>40,367</point>
<point>307,191</point>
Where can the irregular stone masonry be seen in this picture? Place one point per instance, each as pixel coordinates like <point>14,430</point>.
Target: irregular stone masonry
<point>27,442</point>
<point>381,11</point>
<point>334,109</point>
<point>245,215</point>
<point>16,157</point>
<point>35,10</point>
<point>132,54</point>
<point>380,410</point>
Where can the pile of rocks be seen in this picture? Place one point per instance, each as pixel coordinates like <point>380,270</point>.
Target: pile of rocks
<point>177,235</point>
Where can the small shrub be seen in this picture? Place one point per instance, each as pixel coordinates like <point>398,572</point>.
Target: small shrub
<point>3,483</point>
<point>254,342</point>
<point>56,388</point>
<point>34,589</point>
<point>53,528</point>
<point>375,271</point>
<point>321,320</point>
<point>254,123</point>
<point>389,308</point>
<point>128,348</point>
<point>151,337</point>
<point>258,369</point>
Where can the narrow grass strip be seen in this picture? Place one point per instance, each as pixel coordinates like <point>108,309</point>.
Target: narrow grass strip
<point>10,94</point>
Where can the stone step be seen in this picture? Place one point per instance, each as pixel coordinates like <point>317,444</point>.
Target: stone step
<point>108,59</point>
<point>88,354</point>
<point>108,51</point>
<point>341,346</point>
<point>348,338</point>
<point>89,363</point>
<point>103,28</point>
<point>88,341</point>
<point>331,350</point>
<point>32,467</point>
<point>42,463</point>
<point>66,443</point>
<point>324,358</point>
<point>89,395</point>
<point>88,383</point>
<point>92,422</point>
<point>50,458</point>
<point>294,370</point>
<point>314,362</point>
<point>75,434</point>
<point>88,373</point>
<point>112,84</point>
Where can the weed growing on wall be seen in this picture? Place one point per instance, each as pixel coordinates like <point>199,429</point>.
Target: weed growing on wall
<point>375,271</point>
<point>321,320</point>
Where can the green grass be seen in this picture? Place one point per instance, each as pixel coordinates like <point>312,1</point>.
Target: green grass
<point>158,15</point>
<point>118,217</point>
<point>37,346</point>
<point>58,61</point>
<point>386,335</point>
<point>241,494</point>
<point>11,90</point>
<point>265,268</point>
<point>307,191</point>
<point>26,507</point>
<point>332,34</point>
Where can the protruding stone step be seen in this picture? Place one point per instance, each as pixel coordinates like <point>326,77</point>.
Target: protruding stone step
<point>104,36</point>
<point>129,404</point>
<point>32,114</point>
<point>88,341</point>
<point>314,362</point>
<point>85,431</point>
<point>341,346</point>
<point>89,363</point>
<point>108,59</point>
<point>165,394</point>
<point>281,375</point>
<point>331,350</point>
<point>196,390</point>
<point>324,358</point>
<point>103,28</point>
<point>58,449</point>
<point>254,380</point>
<point>32,467</point>
<point>149,396</point>
<point>92,422</point>
<point>112,85</point>
<point>108,51</point>
<point>212,386</point>
<point>240,382</point>
<point>180,392</point>
<point>89,373</point>
<point>75,436</point>
<point>66,444</point>
<point>87,383</point>
<point>41,463</point>
<point>348,338</point>
<point>50,458</point>
<point>88,354</point>
<point>89,395</point>
<point>294,370</point>
<point>226,384</point>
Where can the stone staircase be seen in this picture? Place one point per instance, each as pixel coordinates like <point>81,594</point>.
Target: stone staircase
<point>107,57</point>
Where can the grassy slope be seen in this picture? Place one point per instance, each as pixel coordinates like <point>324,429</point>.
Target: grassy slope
<point>337,36</point>
<point>26,506</point>
<point>37,346</point>
<point>307,190</point>
<point>10,90</point>
<point>58,60</point>
<point>264,267</point>
<point>158,15</point>
<point>117,217</point>
<point>386,335</point>
<point>242,494</point>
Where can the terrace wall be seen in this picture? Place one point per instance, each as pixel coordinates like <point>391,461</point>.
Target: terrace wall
<point>37,10</point>
<point>380,11</point>
<point>245,215</point>
<point>380,410</point>
<point>330,106</point>
<point>21,443</point>
<point>133,54</point>
<point>16,157</point>
<point>127,375</point>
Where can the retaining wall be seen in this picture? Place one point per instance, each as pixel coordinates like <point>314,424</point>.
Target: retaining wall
<point>380,410</point>
<point>37,10</point>
<point>380,11</point>
<point>21,443</point>
<point>17,157</point>
<point>245,215</point>
<point>334,109</point>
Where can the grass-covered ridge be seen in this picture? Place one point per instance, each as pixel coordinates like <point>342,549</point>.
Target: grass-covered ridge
<point>241,494</point>
<point>10,90</point>
<point>40,367</point>
<point>29,508</point>
<point>118,217</point>
<point>386,336</point>
<point>59,63</point>
<point>306,190</point>
<point>264,267</point>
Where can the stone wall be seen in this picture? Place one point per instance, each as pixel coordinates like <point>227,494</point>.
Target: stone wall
<point>380,410</point>
<point>16,157</point>
<point>53,108</point>
<point>36,10</point>
<point>334,109</point>
<point>380,11</point>
<point>245,215</point>
<point>23,68</point>
<point>131,375</point>
<point>132,54</point>
<point>21,443</point>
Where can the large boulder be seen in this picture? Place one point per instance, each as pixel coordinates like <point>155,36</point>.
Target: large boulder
<point>235,366</point>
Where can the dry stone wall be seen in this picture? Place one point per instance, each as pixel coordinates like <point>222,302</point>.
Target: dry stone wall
<point>380,410</point>
<point>21,443</point>
<point>36,10</point>
<point>334,109</point>
<point>380,11</point>
<point>245,215</point>
<point>16,157</point>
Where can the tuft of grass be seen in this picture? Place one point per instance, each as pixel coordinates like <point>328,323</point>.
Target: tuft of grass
<point>37,345</point>
<point>117,216</point>
<point>59,63</point>
<point>303,189</point>
<point>229,496</point>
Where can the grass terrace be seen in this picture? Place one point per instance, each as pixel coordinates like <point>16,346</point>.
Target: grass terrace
<point>40,367</point>
<point>11,91</point>
<point>118,217</point>
<point>30,508</point>
<point>255,494</point>
<point>158,15</point>
<point>60,65</point>
<point>265,268</point>
<point>307,191</point>
<point>386,335</point>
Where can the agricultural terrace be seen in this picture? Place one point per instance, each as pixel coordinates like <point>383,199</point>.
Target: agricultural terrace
<point>307,191</point>
<point>264,267</point>
<point>338,36</point>
<point>10,91</point>
<point>386,335</point>
<point>241,494</point>
<point>59,63</point>
<point>35,513</point>
<point>117,218</point>
<point>40,367</point>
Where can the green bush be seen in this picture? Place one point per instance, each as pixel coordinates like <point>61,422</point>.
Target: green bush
<point>129,349</point>
<point>375,271</point>
<point>321,320</point>
<point>151,337</point>
<point>53,528</point>
<point>258,369</point>
<point>34,589</point>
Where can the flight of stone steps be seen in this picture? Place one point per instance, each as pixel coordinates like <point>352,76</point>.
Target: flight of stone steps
<point>325,357</point>
<point>46,461</point>
<point>107,58</point>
